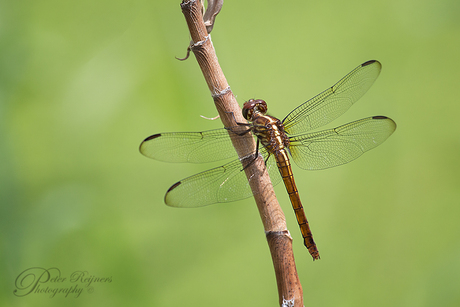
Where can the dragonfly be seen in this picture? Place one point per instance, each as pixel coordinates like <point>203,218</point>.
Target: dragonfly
<point>277,140</point>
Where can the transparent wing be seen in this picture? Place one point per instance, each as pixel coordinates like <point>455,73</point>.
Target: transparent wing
<point>329,148</point>
<point>222,184</point>
<point>193,147</point>
<point>333,102</point>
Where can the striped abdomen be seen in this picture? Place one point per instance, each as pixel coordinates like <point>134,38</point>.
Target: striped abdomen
<point>284,165</point>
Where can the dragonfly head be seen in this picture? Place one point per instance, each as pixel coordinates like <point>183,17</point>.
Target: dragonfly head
<point>253,107</point>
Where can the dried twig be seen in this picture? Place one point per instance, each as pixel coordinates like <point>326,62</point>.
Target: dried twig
<point>213,8</point>
<point>278,237</point>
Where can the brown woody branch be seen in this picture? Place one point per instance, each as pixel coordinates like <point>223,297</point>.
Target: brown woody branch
<point>278,237</point>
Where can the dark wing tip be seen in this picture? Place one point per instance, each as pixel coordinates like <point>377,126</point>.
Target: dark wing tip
<point>152,137</point>
<point>173,186</point>
<point>384,117</point>
<point>368,62</point>
<point>170,189</point>
<point>148,139</point>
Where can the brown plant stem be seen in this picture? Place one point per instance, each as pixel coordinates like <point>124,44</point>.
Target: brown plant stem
<point>278,237</point>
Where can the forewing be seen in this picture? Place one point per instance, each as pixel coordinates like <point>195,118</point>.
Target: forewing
<point>193,147</point>
<point>222,184</point>
<point>329,148</point>
<point>333,102</point>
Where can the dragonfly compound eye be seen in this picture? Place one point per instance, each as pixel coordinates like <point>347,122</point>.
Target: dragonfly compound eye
<point>248,109</point>
<point>261,106</point>
<point>254,106</point>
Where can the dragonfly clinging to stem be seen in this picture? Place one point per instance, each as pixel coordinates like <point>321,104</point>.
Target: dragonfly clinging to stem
<point>276,140</point>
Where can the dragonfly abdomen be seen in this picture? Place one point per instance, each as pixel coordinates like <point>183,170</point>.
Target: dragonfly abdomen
<point>284,166</point>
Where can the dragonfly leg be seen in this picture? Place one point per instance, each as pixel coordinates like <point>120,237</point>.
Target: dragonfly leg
<point>239,133</point>
<point>253,157</point>
<point>238,124</point>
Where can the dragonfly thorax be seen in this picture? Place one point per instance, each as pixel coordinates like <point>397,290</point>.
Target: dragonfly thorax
<point>253,108</point>
<point>270,131</point>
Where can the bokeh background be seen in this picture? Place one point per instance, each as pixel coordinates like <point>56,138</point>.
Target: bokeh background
<point>83,83</point>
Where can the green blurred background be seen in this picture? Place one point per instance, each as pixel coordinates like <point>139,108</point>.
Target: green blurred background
<point>83,83</point>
